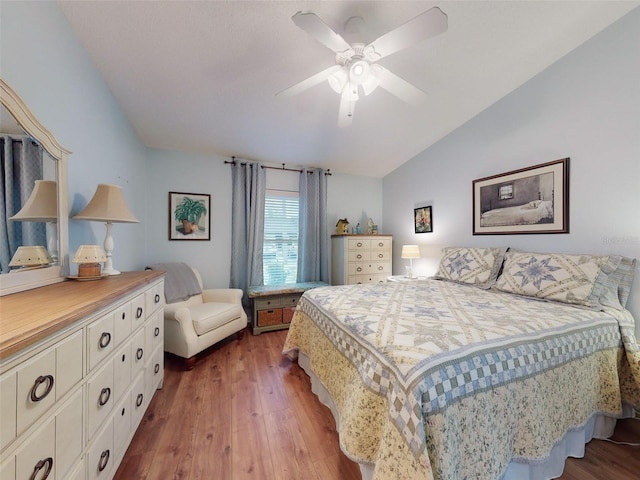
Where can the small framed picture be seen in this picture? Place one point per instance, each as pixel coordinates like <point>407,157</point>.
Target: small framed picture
<point>530,200</point>
<point>189,216</point>
<point>423,219</point>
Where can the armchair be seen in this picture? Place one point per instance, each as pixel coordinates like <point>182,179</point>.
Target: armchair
<point>195,324</point>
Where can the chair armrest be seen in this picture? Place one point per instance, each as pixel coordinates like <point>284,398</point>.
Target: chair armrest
<point>178,313</point>
<point>223,295</point>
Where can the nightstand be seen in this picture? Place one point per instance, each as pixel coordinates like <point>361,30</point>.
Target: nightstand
<point>403,278</point>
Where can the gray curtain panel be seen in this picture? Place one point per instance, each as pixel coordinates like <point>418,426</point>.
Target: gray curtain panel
<point>313,239</point>
<point>20,167</point>
<point>247,225</point>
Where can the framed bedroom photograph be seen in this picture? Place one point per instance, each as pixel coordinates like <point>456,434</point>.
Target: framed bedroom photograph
<point>423,219</point>
<point>189,216</point>
<point>530,200</point>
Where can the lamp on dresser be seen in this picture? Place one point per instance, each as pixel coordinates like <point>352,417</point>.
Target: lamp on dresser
<point>108,205</point>
<point>410,252</point>
<point>42,206</point>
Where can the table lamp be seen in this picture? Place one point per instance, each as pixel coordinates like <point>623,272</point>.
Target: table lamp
<point>107,205</point>
<point>410,252</point>
<point>89,258</point>
<point>42,206</point>
<point>29,257</point>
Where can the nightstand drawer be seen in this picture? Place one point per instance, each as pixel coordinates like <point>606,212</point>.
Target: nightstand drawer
<point>269,317</point>
<point>263,303</point>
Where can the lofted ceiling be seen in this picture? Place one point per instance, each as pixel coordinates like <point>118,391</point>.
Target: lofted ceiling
<point>202,76</point>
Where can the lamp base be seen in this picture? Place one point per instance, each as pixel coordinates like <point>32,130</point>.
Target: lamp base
<point>110,271</point>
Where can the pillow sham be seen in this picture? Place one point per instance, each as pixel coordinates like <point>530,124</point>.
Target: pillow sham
<point>473,266</point>
<point>567,278</point>
<point>614,282</point>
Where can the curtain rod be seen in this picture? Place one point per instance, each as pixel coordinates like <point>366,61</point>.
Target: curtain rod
<point>233,162</point>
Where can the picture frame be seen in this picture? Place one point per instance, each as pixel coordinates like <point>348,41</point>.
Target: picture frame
<point>423,220</point>
<point>526,201</point>
<point>189,216</point>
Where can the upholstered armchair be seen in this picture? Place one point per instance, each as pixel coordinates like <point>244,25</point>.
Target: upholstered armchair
<point>204,319</point>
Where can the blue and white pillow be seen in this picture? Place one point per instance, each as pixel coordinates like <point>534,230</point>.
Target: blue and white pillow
<point>473,266</point>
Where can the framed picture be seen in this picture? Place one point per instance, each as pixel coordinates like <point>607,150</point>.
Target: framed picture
<point>189,216</point>
<point>529,200</point>
<point>423,219</point>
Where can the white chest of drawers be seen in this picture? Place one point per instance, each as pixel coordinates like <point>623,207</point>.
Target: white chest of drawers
<point>360,258</point>
<point>79,362</point>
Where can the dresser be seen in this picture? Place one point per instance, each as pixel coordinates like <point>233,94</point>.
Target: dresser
<point>360,258</point>
<point>79,363</point>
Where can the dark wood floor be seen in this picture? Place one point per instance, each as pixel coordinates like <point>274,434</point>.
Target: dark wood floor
<point>245,412</point>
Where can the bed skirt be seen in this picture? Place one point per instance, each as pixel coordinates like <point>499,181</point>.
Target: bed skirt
<point>572,444</point>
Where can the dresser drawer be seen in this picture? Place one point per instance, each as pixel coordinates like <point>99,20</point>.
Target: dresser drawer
<point>153,331</point>
<point>358,256</point>
<point>122,319</point>
<point>138,311</point>
<point>290,300</point>
<point>122,364</point>
<point>36,389</point>
<point>8,387</point>
<point>381,244</point>
<point>358,244</point>
<point>38,453</point>
<point>69,438</point>
<point>154,298</point>
<point>100,398</point>
<point>100,340</point>
<point>138,352</point>
<point>121,425</point>
<point>100,457</point>
<point>8,468</point>
<point>139,400</point>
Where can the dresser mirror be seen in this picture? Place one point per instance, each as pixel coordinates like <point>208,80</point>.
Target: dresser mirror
<point>16,118</point>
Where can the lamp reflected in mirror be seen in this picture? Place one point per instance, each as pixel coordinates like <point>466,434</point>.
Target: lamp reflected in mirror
<point>42,206</point>
<point>30,257</point>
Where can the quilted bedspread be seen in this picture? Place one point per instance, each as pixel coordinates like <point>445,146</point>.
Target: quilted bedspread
<point>434,379</point>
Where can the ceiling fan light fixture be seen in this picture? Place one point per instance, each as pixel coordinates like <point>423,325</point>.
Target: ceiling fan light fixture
<point>359,72</point>
<point>338,80</point>
<point>372,81</point>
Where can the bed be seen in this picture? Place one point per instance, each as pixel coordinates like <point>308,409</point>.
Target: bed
<point>528,214</point>
<point>472,374</point>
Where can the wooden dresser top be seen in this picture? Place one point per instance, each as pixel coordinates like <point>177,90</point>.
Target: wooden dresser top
<point>30,316</point>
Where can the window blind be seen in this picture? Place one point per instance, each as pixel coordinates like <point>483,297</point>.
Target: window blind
<point>280,249</point>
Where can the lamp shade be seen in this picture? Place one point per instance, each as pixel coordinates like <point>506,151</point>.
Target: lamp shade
<point>42,204</point>
<point>107,205</point>
<point>410,251</point>
<point>30,256</point>
<point>89,254</point>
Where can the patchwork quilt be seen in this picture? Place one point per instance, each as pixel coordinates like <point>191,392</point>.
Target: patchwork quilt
<point>435,379</point>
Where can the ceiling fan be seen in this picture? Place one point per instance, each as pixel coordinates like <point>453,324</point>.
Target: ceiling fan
<point>356,65</point>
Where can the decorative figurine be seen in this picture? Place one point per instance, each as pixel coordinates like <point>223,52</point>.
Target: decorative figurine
<point>358,229</point>
<point>342,227</point>
<point>370,225</point>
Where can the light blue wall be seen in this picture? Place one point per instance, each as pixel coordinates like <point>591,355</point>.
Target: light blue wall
<point>43,61</point>
<point>586,107</point>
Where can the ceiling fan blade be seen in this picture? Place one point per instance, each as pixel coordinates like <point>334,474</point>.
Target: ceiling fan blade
<point>428,24</point>
<point>347,106</point>
<point>399,87</point>
<point>309,82</point>
<point>314,26</point>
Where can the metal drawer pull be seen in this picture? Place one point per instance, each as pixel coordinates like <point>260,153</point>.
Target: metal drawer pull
<point>380,267</point>
<point>104,459</point>
<point>359,256</point>
<point>124,315</point>
<point>139,312</point>
<point>105,394</point>
<point>156,369</point>
<point>157,298</point>
<point>359,244</point>
<point>359,269</point>
<point>139,353</point>
<point>380,255</point>
<point>39,381</point>
<point>139,399</point>
<point>156,331</point>
<point>48,463</point>
<point>381,244</point>
<point>105,340</point>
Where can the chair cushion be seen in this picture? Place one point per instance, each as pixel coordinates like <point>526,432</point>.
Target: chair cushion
<point>209,316</point>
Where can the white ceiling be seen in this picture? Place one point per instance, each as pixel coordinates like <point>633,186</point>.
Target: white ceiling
<point>202,76</point>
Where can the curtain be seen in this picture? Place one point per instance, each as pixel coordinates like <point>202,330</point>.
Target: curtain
<point>247,225</point>
<point>20,166</point>
<point>313,238</point>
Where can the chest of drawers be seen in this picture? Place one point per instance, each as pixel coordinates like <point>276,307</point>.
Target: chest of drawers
<point>79,362</point>
<point>360,258</point>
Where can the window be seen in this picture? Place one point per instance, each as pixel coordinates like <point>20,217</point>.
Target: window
<point>280,249</point>
<point>505,192</point>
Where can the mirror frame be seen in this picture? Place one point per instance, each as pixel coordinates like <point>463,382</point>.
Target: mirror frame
<point>18,282</point>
